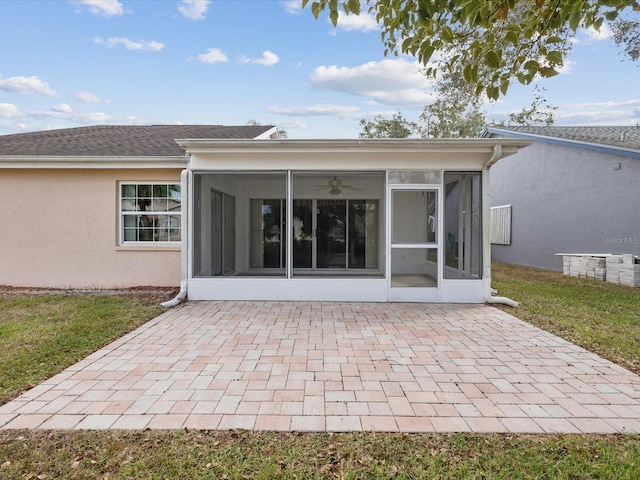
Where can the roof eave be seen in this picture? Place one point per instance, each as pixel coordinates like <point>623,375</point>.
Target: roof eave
<point>90,162</point>
<point>596,147</point>
<point>510,146</point>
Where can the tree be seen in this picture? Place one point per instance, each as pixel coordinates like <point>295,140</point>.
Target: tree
<point>493,42</point>
<point>538,113</point>
<point>396,127</point>
<point>626,34</point>
<point>456,113</point>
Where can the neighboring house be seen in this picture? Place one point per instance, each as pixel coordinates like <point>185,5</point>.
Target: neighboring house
<point>232,213</point>
<point>573,190</point>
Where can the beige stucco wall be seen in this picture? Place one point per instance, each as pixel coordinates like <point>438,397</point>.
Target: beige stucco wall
<point>60,229</point>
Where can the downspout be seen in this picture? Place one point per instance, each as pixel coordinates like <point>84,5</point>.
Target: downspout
<point>184,229</point>
<point>486,232</point>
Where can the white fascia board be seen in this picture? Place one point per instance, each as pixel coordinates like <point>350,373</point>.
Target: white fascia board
<point>376,154</point>
<point>63,162</point>
<point>272,133</point>
<point>476,145</point>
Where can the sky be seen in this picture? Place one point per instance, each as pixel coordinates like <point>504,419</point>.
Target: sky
<point>72,63</point>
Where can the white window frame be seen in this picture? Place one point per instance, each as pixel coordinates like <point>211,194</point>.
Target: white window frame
<point>152,213</point>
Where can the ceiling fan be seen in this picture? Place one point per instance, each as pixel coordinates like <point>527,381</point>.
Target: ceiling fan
<point>334,186</point>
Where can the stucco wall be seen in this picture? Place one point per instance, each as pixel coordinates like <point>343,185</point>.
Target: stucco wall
<point>567,200</point>
<point>60,229</point>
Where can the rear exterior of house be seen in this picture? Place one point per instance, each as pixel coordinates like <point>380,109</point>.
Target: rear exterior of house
<point>72,199</point>
<point>249,217</point>
<point>573,190</point>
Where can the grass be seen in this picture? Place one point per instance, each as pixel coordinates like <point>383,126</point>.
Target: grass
<point>267,455</point>
<point>601,317</point>
<point>41,335</point>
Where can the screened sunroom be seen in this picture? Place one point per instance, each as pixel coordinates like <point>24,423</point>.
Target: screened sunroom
<point>336,220</point>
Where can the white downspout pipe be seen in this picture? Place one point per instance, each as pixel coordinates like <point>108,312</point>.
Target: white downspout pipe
<point>486,232</point>
<point>184,229</point>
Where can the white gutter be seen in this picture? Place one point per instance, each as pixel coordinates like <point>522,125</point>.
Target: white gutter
<point>184,229</point>
<point>486,232</point>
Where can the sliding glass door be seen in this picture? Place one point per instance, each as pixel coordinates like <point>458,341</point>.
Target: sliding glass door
<point>332,235</point>
<point>223,233</point>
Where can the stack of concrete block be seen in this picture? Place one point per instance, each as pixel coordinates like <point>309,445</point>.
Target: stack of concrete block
<point>573,265</point>
<point>585,266</point>
<point>623,269</point>
<point>596,268</point>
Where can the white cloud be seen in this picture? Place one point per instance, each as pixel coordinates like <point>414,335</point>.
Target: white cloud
<point>88,97</point>
<point>9,110</point>
<point>31,84</point>
<point>292,6</point>
<point>64,112</point>
<point>604,33</point>
<point>63,108</point>
<point>112,42</point>
<point>268,59</point>
<point>194,9</point>
<point>292,124</point>
<point>599,113</point>
<point>396,82</point>
<point>365,22</point>
<point>105,8</point>
<point>319,110</point>
<point>213,55</point>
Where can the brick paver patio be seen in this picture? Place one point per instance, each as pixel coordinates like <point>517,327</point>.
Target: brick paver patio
<point>336,367</point>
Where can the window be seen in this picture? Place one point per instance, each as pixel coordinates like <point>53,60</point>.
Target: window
<point>501,225</point>
<point>150,212</point>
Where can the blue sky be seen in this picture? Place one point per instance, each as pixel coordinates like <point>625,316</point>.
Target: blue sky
<point>69,63</point>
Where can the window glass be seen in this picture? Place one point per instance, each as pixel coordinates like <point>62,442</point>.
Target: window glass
<point>150,212</point>
<point>415,176</point>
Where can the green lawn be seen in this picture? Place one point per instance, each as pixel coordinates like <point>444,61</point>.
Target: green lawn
<point>601,317</point>
<point>41,335</point>
<point>264,455</point>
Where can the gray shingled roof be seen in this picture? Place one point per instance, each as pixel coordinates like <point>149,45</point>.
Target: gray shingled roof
<point>120,140</point>
<point>623,137</point>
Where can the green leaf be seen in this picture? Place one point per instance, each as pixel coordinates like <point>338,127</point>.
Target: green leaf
<point>333,16</point>
<point>504,86</point>
<point>548,72</point>
<point>304,3</point>
<point>532,65</point>
<point>611,16</point>
<point>493,93</point>
<point>574,20</point>
<point>467,73</point>
<point>426,51</point>
<point>554,57</point>
<point>354,6</point>
<point>554,39</point>
<point>315,9</point>
<point>493,59</point>
<point>512,37</point>
<point>447,34</point>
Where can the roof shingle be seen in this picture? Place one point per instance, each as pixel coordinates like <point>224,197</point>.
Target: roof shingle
<point>120,140</point>
<point>619,136</point>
